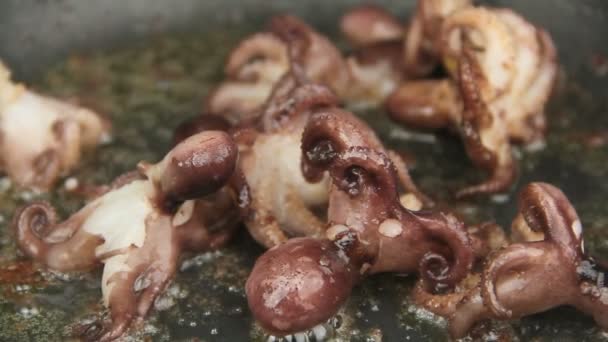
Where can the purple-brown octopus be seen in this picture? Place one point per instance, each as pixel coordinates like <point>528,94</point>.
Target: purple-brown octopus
<point>534,276</point>
<point>139,228</point>
<point>502,70</point>
<point>283,204</point>
<point>41,138</point>
<point>303,282</point>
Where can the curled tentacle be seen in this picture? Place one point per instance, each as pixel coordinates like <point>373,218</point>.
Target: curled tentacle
<point>449,230</point>
<point>297,36</point>
<point>546,209</point>
<point>485,139</point>
<point>257,53</point>
<point>491,42</point>
<point>406,180</point>
<point>359,167</point>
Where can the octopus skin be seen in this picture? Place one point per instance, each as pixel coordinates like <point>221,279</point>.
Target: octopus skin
<point>502,70</point>
<point>42,138</point>
<point>139,228</point>
<point>303,282</point>
<point>256,65</point>
<point>529,277</point>
<point>259,61</point>
<point>415,52</point>
<point>282,203</point>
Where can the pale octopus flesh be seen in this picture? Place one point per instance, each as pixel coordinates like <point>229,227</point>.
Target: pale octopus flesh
<point>42,138</point>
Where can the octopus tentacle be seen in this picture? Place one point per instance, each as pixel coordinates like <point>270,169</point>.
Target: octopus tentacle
<point>546,209</point>
<point>295,34</point>
<point>253,67</point>
<point>449,230</point>
<point>540,89</point>
<point>324,137</point>
<point>281,302</point>
<point>122,307</point>
<point>206,122</point>
<point>478,29</point>
<point>303,221</point>
<point>486,145</point>
<point>510,258</point>
<point>291,98</point>
<point>428,104</point>
<point>70,250</point>
<point>552,272</point>
<point>406,180</point>
<point>198,166</point>
<point>330,132</point>
<point>368,24</point>
<point>259,45</point>
<point>444,304</point>
<point>421,48</point>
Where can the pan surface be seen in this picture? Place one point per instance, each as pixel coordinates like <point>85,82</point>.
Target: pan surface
<point>148,65</point>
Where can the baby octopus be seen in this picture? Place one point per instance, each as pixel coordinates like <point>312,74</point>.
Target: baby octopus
<point>256,65</point>
<point>502,72</point>
<point>42,138</point>
<point>530,277</point>
<point>140,226</point>
<point>303,282</point>
<point>258,62</point>
<point>401,51</point>
<point>282,203</point>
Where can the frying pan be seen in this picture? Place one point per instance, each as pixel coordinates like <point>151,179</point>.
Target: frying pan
<point>207,297</point>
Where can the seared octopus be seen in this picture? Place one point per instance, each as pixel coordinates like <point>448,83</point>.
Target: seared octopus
<point>502,70</point>
<point>303,282</point>
<point>139,228</point>
<point>259,61</point>
<point>282,203</point>
<point>276,150</point>
<point>534,276</point>
<point>407,51</point>
<point>42,138</point>
<point>257,64</point>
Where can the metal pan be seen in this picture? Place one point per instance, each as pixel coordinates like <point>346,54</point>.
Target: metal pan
<point>122,52</point>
